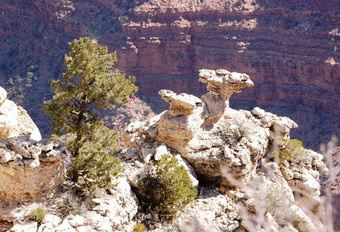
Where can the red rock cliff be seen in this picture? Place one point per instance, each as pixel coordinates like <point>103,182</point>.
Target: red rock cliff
<point>289,48</point>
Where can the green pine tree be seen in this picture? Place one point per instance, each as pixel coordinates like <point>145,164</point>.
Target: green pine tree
<point>90,83</point>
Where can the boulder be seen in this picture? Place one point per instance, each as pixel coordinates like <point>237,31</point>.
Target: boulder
<point>14,120</point>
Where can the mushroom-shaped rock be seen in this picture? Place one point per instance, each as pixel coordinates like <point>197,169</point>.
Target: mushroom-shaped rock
<point>221,84</point>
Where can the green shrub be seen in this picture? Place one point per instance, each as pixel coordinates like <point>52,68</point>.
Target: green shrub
<point>292,150</point>
<point>167,188</point>
<point>38,214</point>
<point>139,227</point>
<point>94,167</point>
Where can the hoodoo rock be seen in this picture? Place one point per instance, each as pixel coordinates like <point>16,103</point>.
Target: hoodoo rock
<point>14,120</point>
<point>239,151</point>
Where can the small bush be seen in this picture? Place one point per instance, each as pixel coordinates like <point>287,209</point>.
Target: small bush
<point>167,188</point>
<point>38,214</point>
<point>95,169</point>
<point>139,227</point>
<point>292,151</point>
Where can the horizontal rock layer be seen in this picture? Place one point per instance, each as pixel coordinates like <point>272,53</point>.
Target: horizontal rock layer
<point>30,169</point>
<point>289,48</point>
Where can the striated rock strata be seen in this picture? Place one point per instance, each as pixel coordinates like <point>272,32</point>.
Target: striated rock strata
<point>29,169</point>
<point>290,48</point>
<point>238,152</point>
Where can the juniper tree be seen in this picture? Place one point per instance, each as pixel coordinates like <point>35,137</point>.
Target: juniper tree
<point>89,84</point>
<point>167,188</point>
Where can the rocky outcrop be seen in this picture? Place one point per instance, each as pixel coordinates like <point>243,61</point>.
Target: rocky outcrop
<point>234,158</point>
<point>29,169</point>
<point>239,151</point>
<point>14,120</point>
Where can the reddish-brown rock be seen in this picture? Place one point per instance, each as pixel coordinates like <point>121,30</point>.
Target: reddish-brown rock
<point>289,48</point>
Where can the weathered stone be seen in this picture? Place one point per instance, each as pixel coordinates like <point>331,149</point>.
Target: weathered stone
<point>28,226</point>
<point>233,148</point>
<point>258,112</point>
<point>160,151</point>
<point>205,215</point>
<point>182,104</point>
<point>14,120</point>
<point>119,208</point>
<point>225,85</point>
<point>3,95</point>
<point>23,176</point>
<point>146,154</point>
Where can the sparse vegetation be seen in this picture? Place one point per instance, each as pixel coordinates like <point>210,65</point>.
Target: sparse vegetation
<point>277,198</point>
<point>167,188</point>
<point>71,204</point>
<point>139,227</point>
<point>18,85</point>
<point>38,214</point>
<point>89,84</point>
<point>292,150</point>
<point>238,131</point>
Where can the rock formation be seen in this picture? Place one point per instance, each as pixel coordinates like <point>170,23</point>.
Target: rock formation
<point>14,120</point>
<point>29,169</point>
<point>239,150</point>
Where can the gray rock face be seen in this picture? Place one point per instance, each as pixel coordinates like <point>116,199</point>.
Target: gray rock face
<point>239,150</point>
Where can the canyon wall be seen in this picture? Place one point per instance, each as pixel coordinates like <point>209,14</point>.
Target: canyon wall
<point>289,48</point>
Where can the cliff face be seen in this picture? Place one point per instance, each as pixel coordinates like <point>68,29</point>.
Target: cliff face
<point>289,48</point>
